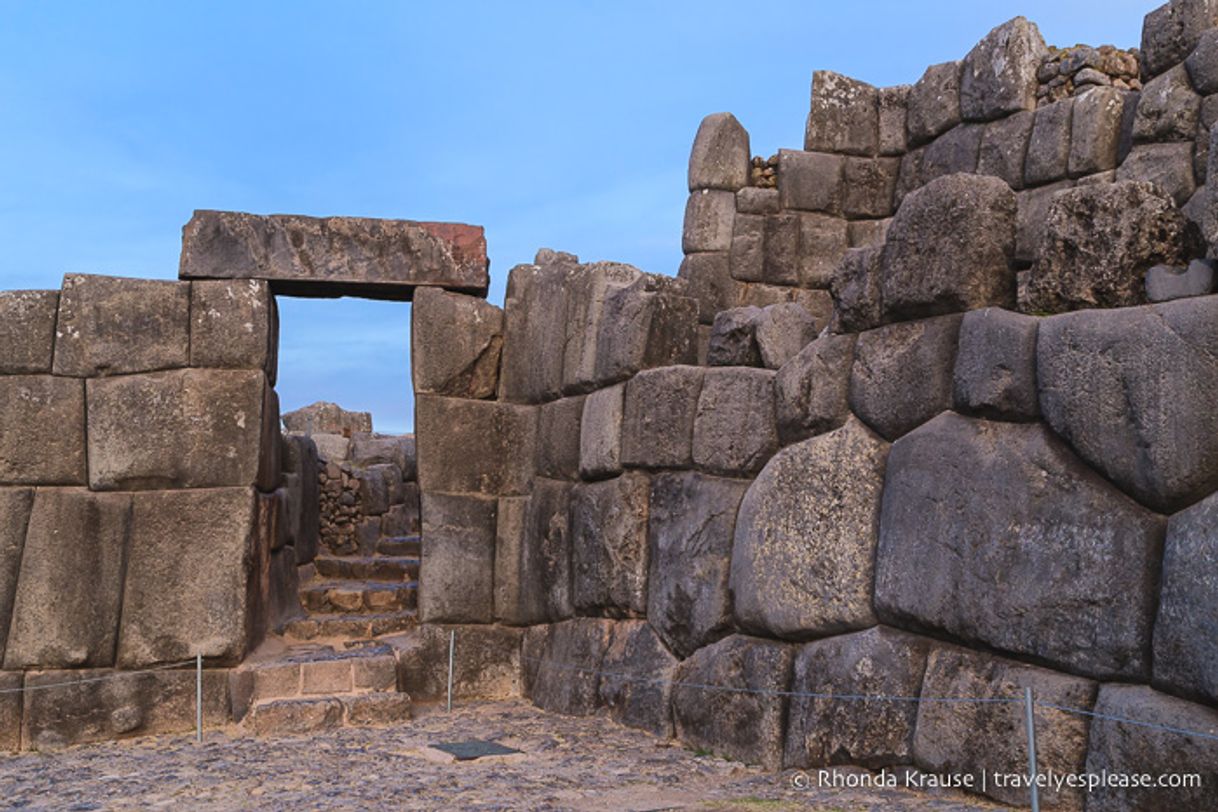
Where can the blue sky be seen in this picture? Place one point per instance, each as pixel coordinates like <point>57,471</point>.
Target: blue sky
<point>551,124</point>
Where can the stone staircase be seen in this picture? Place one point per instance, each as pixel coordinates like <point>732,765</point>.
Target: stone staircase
<point>358,597</point>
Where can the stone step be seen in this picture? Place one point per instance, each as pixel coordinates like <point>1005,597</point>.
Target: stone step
<point>368,568</point>
<point>312,714</point>
<point>359,596</point>
<point>311,670</point>
<point>350,627</point>
<point>400,546</point>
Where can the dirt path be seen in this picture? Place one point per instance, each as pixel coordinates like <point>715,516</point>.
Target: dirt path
<point>566,764</point>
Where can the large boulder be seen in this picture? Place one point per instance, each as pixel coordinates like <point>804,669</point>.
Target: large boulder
<point>1185,652</point>
<point>734,431</point>
<point>27,330</point>
<point>823,730</point>
<point>455,343</point>
<point>590,288</point>
<point>1096,130</point>
<point>1004,146</point>
<point>999,75</point>
<point>1048,156</point>
<point>534,328</point>
<point>692,519</point>
<point>600,433</point>
<point>533,556</point>
<point>934,103</point>
<point>194,577</point>
<point>720,156</point>
<point>189,428</point>
<point>733,338</point>
<point>475,446</point>
<point>709,221</point>
<point>1168,108</point>
<point>802,561</point>
<point>109,325</point>
<point>855,288</point>
<point>486,662</point>
<point>562,664</point>
<point>950,248</point>
<point>969,504</point>
<point>1139,731</point>
<point>42,430</point>
<point>650,323</point>
<point>902,374</point>
<point>636,678</point>
<point>729,699</point>
<point>15,505</point>
<point>457,567</point>
<point>234,324</point>
<point>810,181</point>
<point>1142,417</point>
<point>844,116</point>
<point>987,736</point>
<point>811,390</point>
<point>558,433</point>
<point>995,373</point>
<point>1171,31</point>
<point>1099,241</point>
<point>658,417</point>
<point>609,545</point>
<point>70,588</point>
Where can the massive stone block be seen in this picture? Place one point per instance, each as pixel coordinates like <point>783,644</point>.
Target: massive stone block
<point>934,103</point>
<point>455,343</point>
<point>327,418</point>
<point>589,290</point>
<point>949,248</point>
<point>844,115</point>
<point>733,338</point>
<point>334,256</point>
<point>869,733</point>
<point>190,428</point>
<point>196,575</point>
<point>1095,130</point>
<point>734,431</point>
<point>110,326</point>
<point>709,219</point>
<point>234,324</point>
<point>692,520</point>
<point>1202,64</point>
<point>1099,242</point>
<point>1119,747</point>
<point>1168,166</point>
<point>720,156</point>
<point>856,291</point>
<point>957,150</point>
<point>27,330</point>
<point>782,331</point>
<point>609,555</point>
<point>66,609</point>
<point>1170,32</point>
<point>636,680</point>
<point>15,505</point>
<point>976,737</point>
<point>995,373</point>
<point>600,433</point>
<point>1142,417</point>
<point>562,664</point>
<point>658,419</point>
<point>534,329</point>
<point>1185,654</point>
<point>810,181</point>
<point>486,662</point>
<point>811,390</point>
<point>1168,108</point>
<point>999,74</point>
<point>1004,147</point>
<point>805,541</point>
<point>651,323</point>
<point>457,568</point>
<point>474,446</point>
<point>730,703</point>
<point>1031,219</point>
<point>710,284</point>
<point>969,504</point>
<point>1049,148</point>
<point>902,374</point>
<point>42,430</point>
<point>558,436</point>
<point>893,110</point>
<point>533,556</point>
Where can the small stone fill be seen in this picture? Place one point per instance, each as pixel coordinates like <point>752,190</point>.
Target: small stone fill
<point>764,172</point>
<point>1066,72</point>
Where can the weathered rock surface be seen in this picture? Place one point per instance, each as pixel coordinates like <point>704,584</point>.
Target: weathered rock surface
<point>558,434</point>
<point>562,664</point>
<point>844,115</point>
<point>190,428</point>
<point>1168,108</point>
<point>709,219</point>
<point>1165,283</point>
<point>710,283</point>
<point>234,324</point>
<point>334,256</point>
<point>1185,658</point>
<point>995,373</point>
<point>68,596</point>
<point>1004,147</point>
<point>589,290</point>
<point>42,430</point>
<point>658,417</point>
<point>1170,32</point>
<point>27,330</point>
<point>871,733</point>
<point>635,683</point>
<point>1049,147</point>
<point>650,323</point>
<point>1202,64</point>
<point>15,505</point>
<point>534,328</point>
<point>733,338</point>
<point>782,331</point>
<point>720,156</point>
<point>869,185</point>
<point>1099,242</point>
<point>975,737</point>
<point>856,291</point>
<point>1095,130</point>
<point>811,390</point>
<point>327,418</point>
<point>533,556</point>
<point>456,570</point>
<point>1076,560</point>
<point>999,75</point>
<point>1122,748</point>
<point>734,431</point>
<point>934,103</point>
<point>194,575</point>
<point>1168,166</point>
<point>730,707</point>
<point>1141,418</point>
<point>99,316</point>
<point>1031,223</point>
<point>474,446</point>
<point>692,520</point>
<point>600,438</point>
<point>810,181</point>
<point>902,373</point>
<point>893,105</point>
<point>949,248</point>
<point>609,554</point>
<point>455,342</point>
<point>486,662</point>
<point>805,540</point>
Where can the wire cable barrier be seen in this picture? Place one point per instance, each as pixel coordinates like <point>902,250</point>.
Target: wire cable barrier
<point>102,678</point>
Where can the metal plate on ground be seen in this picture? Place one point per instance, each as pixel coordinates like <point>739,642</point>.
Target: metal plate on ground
<point>473,749</point>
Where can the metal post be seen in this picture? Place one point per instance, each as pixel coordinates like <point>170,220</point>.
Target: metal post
<point>199,698</point>
<point>452,647</point>
<point>1031,723</point>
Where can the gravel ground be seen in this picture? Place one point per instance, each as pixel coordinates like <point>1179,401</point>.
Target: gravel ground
<point>567,764</point>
